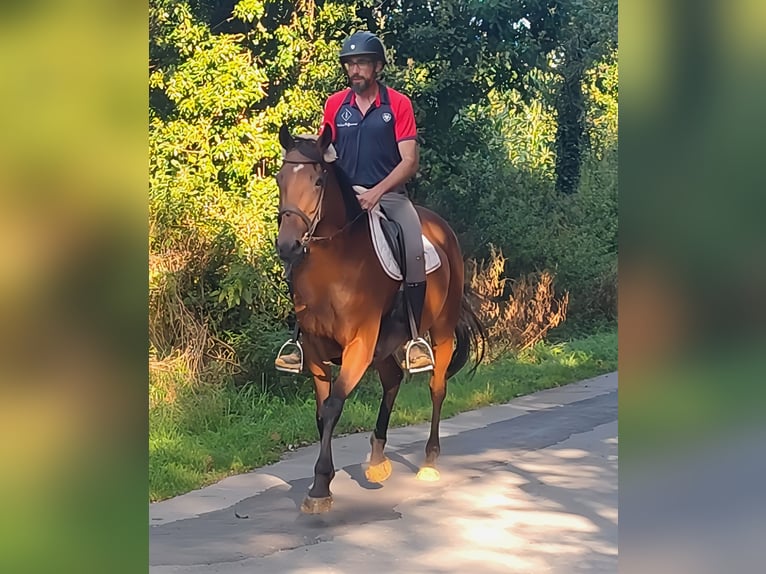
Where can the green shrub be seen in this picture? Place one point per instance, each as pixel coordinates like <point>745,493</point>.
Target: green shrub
<point>498,188</point>
<point>217,99</point>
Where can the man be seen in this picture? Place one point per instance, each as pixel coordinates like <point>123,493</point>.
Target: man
<point>374,134</point>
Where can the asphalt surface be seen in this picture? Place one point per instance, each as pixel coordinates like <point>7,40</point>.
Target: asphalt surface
<point>529,486</point>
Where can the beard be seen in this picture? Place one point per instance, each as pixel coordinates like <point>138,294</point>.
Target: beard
<point>360,85</point>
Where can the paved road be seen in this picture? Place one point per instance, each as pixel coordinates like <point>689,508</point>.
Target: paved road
<point>530,486</point>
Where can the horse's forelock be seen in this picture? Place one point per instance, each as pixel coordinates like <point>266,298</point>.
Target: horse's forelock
<point>306,145</point>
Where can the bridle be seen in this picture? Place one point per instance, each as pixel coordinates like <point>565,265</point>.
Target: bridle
<point>310,223</point>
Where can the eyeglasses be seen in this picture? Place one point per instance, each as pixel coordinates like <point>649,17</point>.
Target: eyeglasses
<point>360,62</point>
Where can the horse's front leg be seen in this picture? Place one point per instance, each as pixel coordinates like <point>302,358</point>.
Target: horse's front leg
<point>356,358</point>
<point>322,374</point>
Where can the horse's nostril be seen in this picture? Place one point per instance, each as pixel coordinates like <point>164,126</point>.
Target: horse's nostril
<point>289,249</point>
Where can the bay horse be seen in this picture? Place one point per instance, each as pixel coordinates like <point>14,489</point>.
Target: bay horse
<point>342,295</point>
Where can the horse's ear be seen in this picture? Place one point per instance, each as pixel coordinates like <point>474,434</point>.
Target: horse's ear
<point>325,138</point>
<point>285,139</point>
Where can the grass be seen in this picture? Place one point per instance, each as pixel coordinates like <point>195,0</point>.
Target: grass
<point>199,434</point>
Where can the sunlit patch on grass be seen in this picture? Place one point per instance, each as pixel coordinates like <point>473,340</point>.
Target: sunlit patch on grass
<point>574,359</point>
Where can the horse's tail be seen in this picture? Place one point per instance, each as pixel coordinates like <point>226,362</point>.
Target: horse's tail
<point>469,334</point>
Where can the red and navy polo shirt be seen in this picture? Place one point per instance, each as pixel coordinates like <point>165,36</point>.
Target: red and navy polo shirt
<point>367,145</point>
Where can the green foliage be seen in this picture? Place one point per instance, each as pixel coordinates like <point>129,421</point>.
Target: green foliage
<point>585,32</point>
<point>217,101</point>
<point>451,54</point>
<point>498,186</point>
<point>601,90</point>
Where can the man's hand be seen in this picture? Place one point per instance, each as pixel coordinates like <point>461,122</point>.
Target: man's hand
<point>369,199</point>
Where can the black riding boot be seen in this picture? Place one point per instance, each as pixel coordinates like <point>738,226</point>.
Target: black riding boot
<point>419,354</point>
<point>416,297</point>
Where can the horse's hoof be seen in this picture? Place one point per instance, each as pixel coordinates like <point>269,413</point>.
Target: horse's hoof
<point>428,474</point>
<point>312,505</point>
<point>379,472</point>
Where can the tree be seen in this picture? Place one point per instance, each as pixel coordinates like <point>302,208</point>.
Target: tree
<point>452,53</point>
<point>220,86</point>
<point>585,31</point>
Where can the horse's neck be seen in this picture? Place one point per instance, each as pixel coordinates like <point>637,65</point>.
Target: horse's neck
<point>335,216</point>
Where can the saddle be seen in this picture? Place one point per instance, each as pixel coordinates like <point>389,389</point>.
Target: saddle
<point>387,240</point>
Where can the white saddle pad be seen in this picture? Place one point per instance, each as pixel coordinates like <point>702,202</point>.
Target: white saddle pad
<point>383,250</point>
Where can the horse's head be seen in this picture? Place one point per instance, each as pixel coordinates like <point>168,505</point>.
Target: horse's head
<point>301,180</point>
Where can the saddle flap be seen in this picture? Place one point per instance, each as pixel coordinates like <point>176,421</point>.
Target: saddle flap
<point>388,257</point>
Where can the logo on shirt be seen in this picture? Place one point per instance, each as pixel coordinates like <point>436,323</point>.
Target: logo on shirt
<point>346,115</point>
<point>386,117</point>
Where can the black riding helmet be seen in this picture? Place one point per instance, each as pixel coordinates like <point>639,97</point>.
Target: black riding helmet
<point>363,44</point>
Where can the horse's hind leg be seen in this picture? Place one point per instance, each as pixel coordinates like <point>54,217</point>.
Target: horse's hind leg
<point>390,377</point>
<point>443,348</point>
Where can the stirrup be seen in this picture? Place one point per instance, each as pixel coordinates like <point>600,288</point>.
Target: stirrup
<point>291,346</point>
<point>422,344</point>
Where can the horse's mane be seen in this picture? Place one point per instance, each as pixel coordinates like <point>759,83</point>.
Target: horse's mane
<point>306,146</point>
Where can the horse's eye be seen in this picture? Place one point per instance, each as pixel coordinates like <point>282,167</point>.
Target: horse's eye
<point>319,182</point>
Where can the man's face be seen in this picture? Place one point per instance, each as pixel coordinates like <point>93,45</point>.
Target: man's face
<point>361,71</point>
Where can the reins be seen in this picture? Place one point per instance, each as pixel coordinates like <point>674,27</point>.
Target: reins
<point>338,231</point>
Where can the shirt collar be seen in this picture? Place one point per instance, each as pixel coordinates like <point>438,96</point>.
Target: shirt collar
<point>377,97</point>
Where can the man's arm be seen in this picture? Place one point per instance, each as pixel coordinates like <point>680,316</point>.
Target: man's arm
<point>402,173</point>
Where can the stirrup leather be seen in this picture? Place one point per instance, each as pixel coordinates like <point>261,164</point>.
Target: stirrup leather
<point>421,343</point>
<point>291,346</point>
